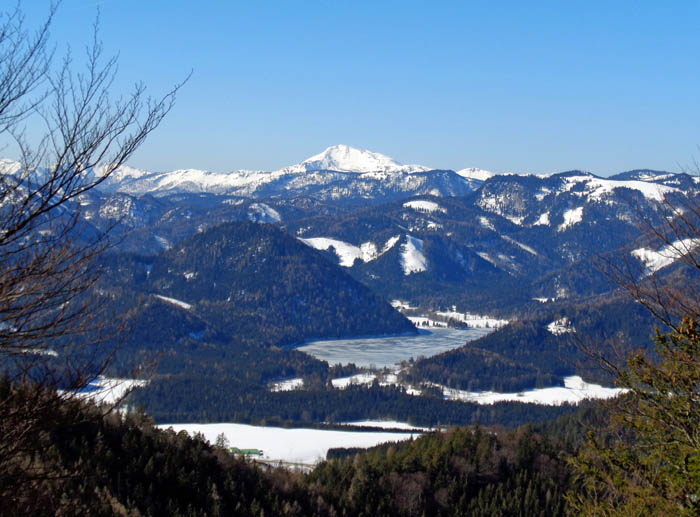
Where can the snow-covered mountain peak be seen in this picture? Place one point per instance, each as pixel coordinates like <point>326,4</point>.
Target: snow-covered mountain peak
<point>343,158</point>
<point>476,173</point>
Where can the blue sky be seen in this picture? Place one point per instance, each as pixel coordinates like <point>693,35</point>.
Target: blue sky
<point>505,86</point>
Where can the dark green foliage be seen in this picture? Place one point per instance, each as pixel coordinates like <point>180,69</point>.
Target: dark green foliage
<point>108,464</point>
<point>525,355</point>
<point>184,399</point>
<point>92,464</point>
<point>465,471</point>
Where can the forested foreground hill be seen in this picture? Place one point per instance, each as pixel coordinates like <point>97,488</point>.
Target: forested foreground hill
<point>123,465</point>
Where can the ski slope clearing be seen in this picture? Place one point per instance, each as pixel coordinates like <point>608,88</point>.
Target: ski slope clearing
<point>412,258</point>
<point>575,390</point>
<point>307,446</point>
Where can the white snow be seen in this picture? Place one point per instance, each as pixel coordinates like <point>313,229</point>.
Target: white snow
<point>163,242</point>
<point>543,300</point>
<point>288,385</point>
<point>560,327</point>
<point>360,378</point>
<point>400,304</point>
<point>305,446</point>
<point>571,217</point>
<point>106,390</point>
<point>543,220</point>
<point>387,424</point>
<point>574,390</point>
<point>424,206</point>
<point>179,303</point>
<point>654,260</point>
<point>473,320</point>
<point>475,173</point>
<point>423,321</point>
<point>347,253</point>
<point>520,245</point>
<point>344,158</point>
<point>390,243</point>
<point>412,258</point>
<point>262,213</point>
<point>486,223</point>
<point>597,188</point>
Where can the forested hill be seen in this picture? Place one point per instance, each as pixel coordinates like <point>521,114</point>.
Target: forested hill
<point>253,282</point>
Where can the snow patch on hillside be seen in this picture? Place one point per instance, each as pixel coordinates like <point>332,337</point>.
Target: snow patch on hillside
<point>262,213</point>
<point>347,253</point>
<point>412,258</point>
<point>173,301</point>
<point>360,378</point>
<point>483,221</point>
<point>654,260</point>
<point>571,217</point>
<point>288,385</point>
<point>560,327</point>
<point>421,205</point>
<point>520,245</point>
<point>575,390</point>
<point>386,424</point>
<point>597,188</point>
<point>543,220</point>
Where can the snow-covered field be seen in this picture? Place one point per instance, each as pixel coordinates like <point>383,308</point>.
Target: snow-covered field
<point>387,424</point>
<point>306,446</point>
<point>654,260</point>
<point>348,253</point>
<point>360,378</point>
<point>106,390</point>
<point>421,205</point>
<point>575,390</point>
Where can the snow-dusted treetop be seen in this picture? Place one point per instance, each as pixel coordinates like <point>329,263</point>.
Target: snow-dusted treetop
<point>343,158</point>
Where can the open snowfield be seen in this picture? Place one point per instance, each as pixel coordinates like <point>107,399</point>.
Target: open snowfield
<point>575,390</point>
<point>106,390</point>
<point>306,446</point>
<point>387,424</point>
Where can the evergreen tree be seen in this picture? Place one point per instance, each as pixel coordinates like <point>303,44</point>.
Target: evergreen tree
<point>648,459</point>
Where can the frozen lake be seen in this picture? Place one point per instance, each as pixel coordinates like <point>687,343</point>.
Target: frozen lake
<point>388,351</point>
